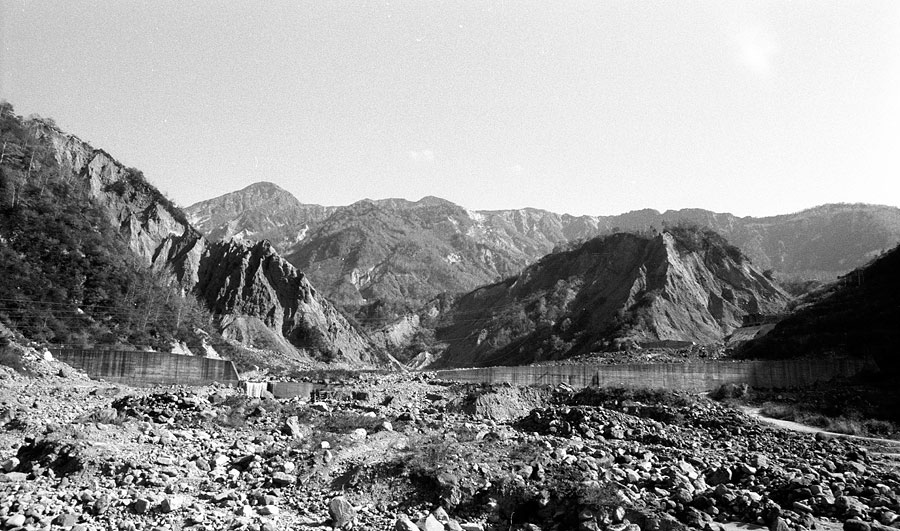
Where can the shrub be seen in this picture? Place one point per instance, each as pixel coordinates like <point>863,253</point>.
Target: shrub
<point>845,425</point>
<point>598,396</point>
<point>428,453</point>
<point>345,422</point>
<point>881,428</point>
<point>11,358</point>
<point>599,495</point>
<point>730,391</point>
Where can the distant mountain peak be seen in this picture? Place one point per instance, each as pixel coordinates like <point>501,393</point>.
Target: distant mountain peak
<point>261,211</point>
<point>265,186</point>
<point>430,200</point>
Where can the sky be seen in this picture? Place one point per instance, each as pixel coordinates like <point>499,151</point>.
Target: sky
<point>754,108</point>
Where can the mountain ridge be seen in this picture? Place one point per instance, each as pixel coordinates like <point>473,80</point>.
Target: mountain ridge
<point>609,293</point>
<point>817,243</point>
<point>261,204</point>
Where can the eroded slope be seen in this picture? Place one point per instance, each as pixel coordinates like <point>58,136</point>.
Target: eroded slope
<point>682,284</point>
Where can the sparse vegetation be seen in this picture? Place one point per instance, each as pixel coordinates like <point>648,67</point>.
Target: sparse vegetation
<point>730,392</point>
<point>428,453</point>
<point>850,424</point>
<point>614,396</point>
<point>851,407</point>
<point>696,239</point>
<point>12,358</point>
<point>799,287</point>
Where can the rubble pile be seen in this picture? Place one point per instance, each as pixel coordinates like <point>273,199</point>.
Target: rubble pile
<point>406,452</point>
<point>716,465</point>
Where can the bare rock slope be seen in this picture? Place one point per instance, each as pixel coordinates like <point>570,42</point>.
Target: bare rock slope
<point>155,229</point>
<point>623,289</point>
<point>402,253</point>
<point>253,280</point>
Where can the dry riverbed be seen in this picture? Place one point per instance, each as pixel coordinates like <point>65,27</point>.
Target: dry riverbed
<point>408,452</point>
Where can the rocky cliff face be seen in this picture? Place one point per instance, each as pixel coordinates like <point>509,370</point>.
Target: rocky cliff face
<point>613,291</point>
<point>154,228</point>
<point>402,253</point>
<point>234,280</point>
<point>253,280</point>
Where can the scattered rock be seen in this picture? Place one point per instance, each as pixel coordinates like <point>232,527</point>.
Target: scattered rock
<point>341,511</point>
<point>172,503</point>
<point>854,524</point>
<point>141,505</point>
<point>430,523</point>
<point>292,427</point>
<point>403,523</point>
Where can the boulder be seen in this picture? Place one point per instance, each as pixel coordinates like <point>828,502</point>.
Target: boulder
<point>341,511</point>
<point>403,523</point>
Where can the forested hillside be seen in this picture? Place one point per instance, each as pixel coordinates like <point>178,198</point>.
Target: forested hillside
<point>69,277</point>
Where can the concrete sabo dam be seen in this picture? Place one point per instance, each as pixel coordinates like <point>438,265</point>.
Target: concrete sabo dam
<point>690,376</point>
<point>149,368</point>
<point>161,368</point>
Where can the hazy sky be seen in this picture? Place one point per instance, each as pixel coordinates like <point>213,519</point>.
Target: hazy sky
<point>580,107</point>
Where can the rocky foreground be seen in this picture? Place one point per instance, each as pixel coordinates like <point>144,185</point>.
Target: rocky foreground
<point>408,452</point>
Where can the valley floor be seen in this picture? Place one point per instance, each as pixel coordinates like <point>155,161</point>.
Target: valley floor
<point>404,451</point>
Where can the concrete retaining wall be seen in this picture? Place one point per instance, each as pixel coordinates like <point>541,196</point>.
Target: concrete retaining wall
<point>149,368</point>
<point>255,389</point>
<point>293,389</point>
<point>693,376</point>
